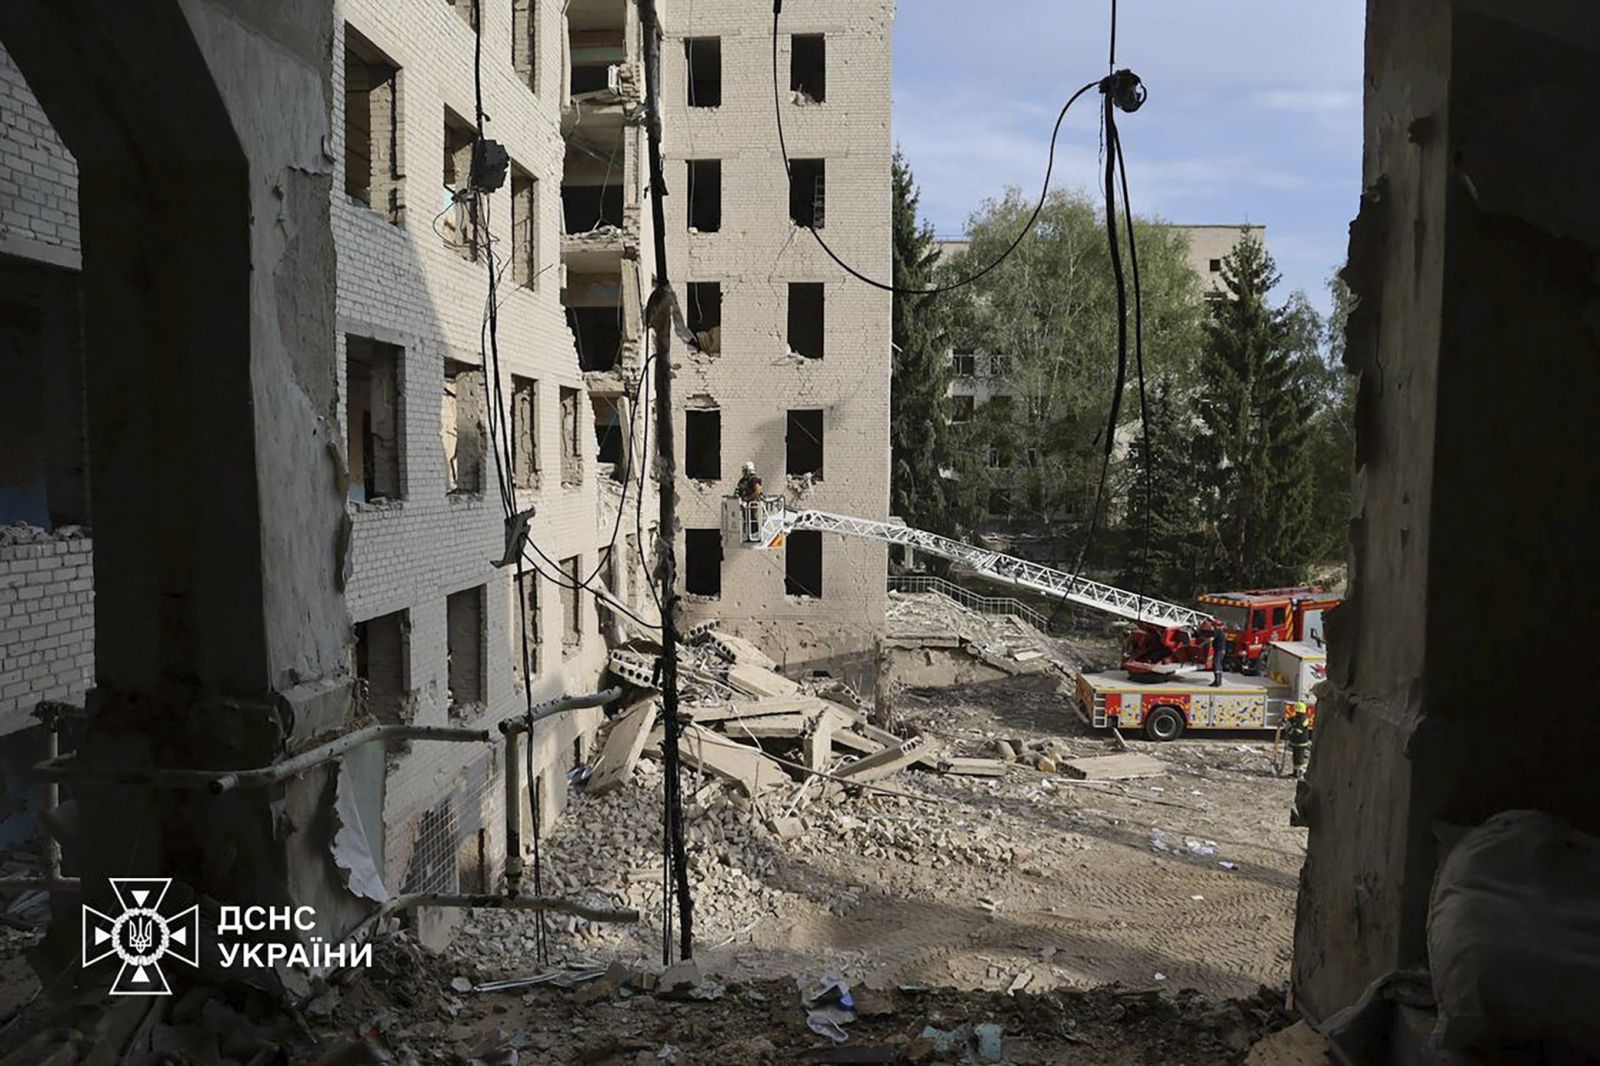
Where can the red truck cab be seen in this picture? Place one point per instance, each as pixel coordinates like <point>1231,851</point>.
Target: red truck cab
<point>1254,618</point>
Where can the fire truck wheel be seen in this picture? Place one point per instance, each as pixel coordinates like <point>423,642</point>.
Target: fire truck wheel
<point>1164,723</point>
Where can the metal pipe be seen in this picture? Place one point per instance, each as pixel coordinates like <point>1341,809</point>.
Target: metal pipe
<point>219,781</point>
<point>518,723</point>
<point>514,812</point>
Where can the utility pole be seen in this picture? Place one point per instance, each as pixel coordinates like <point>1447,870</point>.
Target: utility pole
<point>660,313</point>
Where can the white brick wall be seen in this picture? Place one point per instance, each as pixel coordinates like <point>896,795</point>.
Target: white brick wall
<point>38,177</point>
<point>757,252</point>
<point>404,286</point>
<point>46,626</point>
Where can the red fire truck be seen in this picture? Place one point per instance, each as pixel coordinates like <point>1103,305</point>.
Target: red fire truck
<point>1255,618</point>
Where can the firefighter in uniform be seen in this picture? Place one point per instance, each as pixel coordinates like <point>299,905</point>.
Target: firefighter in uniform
<point>1297,731</point>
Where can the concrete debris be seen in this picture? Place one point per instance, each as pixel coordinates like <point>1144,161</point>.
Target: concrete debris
<point>624,744</point>
<point>759,681</point>
<point>1115,767</point>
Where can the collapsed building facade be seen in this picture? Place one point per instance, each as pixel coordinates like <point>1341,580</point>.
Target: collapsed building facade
<point>407,419</point>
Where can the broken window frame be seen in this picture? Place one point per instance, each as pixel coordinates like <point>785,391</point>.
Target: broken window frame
<point>701,173</point>
<point>382,360</point>
<point>524,432</point>
<point>386,707</point>
<point>378,183</point>
<point>702,562</point>
<point>474,599</point>
<point>695,94</point>
<point>808,191</point>
<point>698,423</point>
<point>810,85</point>
<point>703,314</point>
<point>524,228</point>
<point>806,337</point>
<point>464,381</point>
<point>458,215</point>
<point>570,571</point>
<point>802,544</point>
<point>963,364</point>
<point>794,425</point>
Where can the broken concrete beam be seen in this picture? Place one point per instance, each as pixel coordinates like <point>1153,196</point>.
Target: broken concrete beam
<point>967,767</point>
<point>1114,767</point>
<point>767,726</point>
<point>721,712</point>
<point>850,740</point>
<point>760,682</point>
<point>633,668</point>
<point>738,650</point>
<point>624,744</point>
<point>883,763</point>
<point>742,764</point>
<point>819,742</point>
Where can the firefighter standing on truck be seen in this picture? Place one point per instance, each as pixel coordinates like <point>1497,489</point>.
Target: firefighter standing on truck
<point>1297,731</point>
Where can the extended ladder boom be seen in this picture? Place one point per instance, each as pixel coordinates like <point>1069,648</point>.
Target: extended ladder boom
<point>776,520</point>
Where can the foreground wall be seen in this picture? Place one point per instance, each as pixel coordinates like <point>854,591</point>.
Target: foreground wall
<point>1477,337</point>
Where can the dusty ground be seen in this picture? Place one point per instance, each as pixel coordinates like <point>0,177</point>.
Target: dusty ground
<point>1025,881</point>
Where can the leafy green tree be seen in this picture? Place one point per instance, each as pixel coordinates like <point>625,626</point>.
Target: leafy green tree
<point>1260,369</point>
<point>1050,312</point>
<point>920,435</point>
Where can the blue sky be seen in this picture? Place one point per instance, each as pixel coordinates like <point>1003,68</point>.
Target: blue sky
<point>1254,111</point>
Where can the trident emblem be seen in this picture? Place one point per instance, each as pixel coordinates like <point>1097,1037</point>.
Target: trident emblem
<point>141,936</point>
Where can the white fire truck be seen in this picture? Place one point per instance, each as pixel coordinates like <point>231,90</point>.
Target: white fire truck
<point>1167,709</point>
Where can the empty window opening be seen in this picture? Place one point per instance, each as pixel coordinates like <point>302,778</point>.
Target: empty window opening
<point>44,457</point>
<point>524,228</point>
<point>804,444</point>
<point>382,664</point>
<point>591,207</point>
<point>571,606</point>
<point>459,220</point>
<point>802,563</point>
<point>703,59</point>
<point>464,647</point>
<point>999,502</point>
<point>525,42</point>
<point>962,408</point>
<point>595,52</point>
<point>571,438</point>
<point>467,10</point>
<point>963,364</point>
<point>608,430</point>
<point>525,624</point>
<point>702,572</point>
<point>705,195</point>
<point>374,432</point>
<point>1215,266</point>
<point>1000,366</point>
<point>806,318</point>
<point>524,432</point>
<point>372,166</point>
<point>702,443</point>
<point>1001,408</point>
<point>462,426</point>
<point>807,192</point>
<point>597,331</point>
<point>704,312</point>
<point>808,68</point>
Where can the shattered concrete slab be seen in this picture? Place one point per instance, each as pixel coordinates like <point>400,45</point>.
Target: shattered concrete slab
<point>625,743</point>
<point>1114,767</point>
<point>759,681</point>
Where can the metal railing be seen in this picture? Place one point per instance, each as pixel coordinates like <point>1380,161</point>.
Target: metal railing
<point>972,601</point>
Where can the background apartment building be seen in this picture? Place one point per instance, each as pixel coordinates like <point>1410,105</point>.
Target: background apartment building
<point>795,375</point>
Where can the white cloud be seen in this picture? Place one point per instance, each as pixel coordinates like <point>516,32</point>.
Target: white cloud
<point>1309,101</point>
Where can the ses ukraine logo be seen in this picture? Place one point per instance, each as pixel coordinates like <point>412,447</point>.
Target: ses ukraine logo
<point>141,936</point>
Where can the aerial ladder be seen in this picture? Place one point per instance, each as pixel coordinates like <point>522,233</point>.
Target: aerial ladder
<point>1166,636</point>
